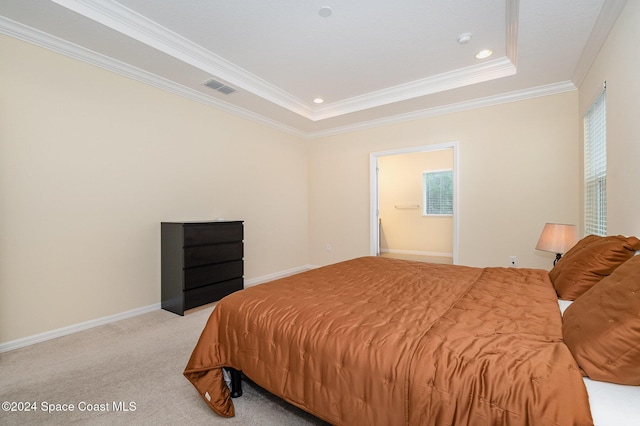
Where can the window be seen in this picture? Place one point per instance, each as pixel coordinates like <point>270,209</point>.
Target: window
<point>595,168</point>
<point>438,192</point>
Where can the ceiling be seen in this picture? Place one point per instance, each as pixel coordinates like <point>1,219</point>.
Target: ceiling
<point>372,61</point>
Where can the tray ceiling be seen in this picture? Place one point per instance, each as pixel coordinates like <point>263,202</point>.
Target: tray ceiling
<point>371,61</point>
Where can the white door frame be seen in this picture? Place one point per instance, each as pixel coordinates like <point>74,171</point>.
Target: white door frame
<point>374,192</point>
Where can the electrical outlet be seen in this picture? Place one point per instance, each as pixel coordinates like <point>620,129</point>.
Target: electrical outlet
<point>329,248</point>
<point>513,260</point>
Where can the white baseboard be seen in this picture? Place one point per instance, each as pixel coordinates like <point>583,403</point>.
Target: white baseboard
<point>417,253</point>
<point>270,277</point>
<point>48,335</point>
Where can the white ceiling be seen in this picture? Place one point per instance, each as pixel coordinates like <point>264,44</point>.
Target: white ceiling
<point>372,61</point>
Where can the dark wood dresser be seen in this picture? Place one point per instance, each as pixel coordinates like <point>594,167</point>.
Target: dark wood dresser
<point>201,262</point>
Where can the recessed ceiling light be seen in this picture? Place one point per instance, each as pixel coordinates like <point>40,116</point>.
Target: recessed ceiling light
<point>464,38</point>
<point>318,100</point>
<point>325,11</point>
<point>484,53</point>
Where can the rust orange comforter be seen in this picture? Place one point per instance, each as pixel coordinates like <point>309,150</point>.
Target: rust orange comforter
<point>377,341</point>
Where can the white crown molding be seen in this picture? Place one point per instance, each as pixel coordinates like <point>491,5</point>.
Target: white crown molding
<point>519,95</point>
<point>512,18</point>
<point>140,28</point>
<point>601,29</point>
<point>144,30</point>
<point>490,70</point>
<point>55,44</point>
<point>47,41</point>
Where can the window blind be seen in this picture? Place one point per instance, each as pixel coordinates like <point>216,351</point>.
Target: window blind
<point>595,167</point>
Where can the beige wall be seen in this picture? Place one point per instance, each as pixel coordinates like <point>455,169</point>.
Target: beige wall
<point>92,162</point>
<point>400,189</point>
<point>618,64</point>
<point>518,168</point>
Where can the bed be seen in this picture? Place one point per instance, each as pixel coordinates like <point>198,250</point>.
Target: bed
<point>611,404</point>
<point>382,341</point>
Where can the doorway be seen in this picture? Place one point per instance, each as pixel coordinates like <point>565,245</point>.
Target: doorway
<point>400,224</point>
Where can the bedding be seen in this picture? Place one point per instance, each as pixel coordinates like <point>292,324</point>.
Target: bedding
<point>611,404</point>
<point>602,327</point>
<point>381,341</point>
<point>589,261</point>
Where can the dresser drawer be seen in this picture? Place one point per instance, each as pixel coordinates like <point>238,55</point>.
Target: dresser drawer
<point>210,293</point>
<point>216,253</point>
<point>209,274</point>
<point>201,262</point>
<point>196,234</point>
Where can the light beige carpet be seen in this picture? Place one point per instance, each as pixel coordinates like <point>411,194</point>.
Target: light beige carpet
<point>138,360</point>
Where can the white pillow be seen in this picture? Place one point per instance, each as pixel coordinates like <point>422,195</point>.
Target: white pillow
<point>564,304</point>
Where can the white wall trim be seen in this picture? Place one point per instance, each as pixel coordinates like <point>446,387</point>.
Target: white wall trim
<point>513,19</point>
<point>607,18</point>
<point>55,44</point>
<point>140,28</point>
<point>490,70</point>
<point>48,335</point>
<point>374,237</point>
<point>518,95</point>
<point>270,277</point>
<point>416,253</point>
<point>58,45</point>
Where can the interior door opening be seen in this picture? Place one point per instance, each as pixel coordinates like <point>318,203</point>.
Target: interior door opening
<point>401,224</point>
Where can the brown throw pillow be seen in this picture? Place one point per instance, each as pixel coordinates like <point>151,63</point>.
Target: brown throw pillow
<point>589,261</point>
<point>602,327</point>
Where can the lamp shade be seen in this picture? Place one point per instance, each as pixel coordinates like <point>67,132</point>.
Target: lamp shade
<point>557,238</point>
